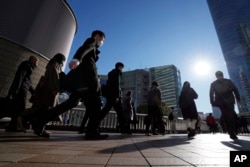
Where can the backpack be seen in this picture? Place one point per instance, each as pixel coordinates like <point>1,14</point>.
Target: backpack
<point>171,116</point>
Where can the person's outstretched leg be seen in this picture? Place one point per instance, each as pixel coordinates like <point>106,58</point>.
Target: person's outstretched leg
<point>121,120</point>
<point>106,109</point>
<point>84,121</point>
<point>40,120</point>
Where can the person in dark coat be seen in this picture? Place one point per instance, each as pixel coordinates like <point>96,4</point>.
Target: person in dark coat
<point>222,94</point>
<point>19,89</point>
<point>46,92</point>
<point>87,87</point>
<point>155,114</point>
<point>188,107</point>
<point>114,96</point>
<point>127,110</point>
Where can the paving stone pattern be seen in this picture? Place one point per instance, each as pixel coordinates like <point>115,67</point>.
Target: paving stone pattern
<point>69,149</point>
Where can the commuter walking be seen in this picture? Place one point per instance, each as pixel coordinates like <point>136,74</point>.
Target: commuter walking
<point>113,96</point>
<point>188,107</point>
<point>155,114</point>
<point>84,85</point>
<point>46,92</point>
<point>127,111</point>
<point>19,89</point>
<point>222,94</point>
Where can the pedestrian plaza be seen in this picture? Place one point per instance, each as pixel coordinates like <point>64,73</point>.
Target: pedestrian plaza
<point>70,149</point>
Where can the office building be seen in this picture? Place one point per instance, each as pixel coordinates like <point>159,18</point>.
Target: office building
<point>169,79</point>
<point>232,23</point>
<point>139,81</point>
<point>136,81</point>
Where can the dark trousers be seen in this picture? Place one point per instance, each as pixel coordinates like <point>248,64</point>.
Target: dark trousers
<point>19,102</point>
<point>84,121</point>
<point>213,127</point>
<point>93,109</point>
<point>147,122</point>
<point>118,109</point>
<point>228,118</point>
<point>92,104</point>
<point>155,117</point>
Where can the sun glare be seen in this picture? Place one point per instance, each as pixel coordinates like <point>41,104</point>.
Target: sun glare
<point>202,68</point>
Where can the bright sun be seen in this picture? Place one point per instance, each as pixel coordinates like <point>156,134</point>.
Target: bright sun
<point>202,68</point>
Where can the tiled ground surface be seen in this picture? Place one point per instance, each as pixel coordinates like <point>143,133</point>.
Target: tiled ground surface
<point>69,149</point>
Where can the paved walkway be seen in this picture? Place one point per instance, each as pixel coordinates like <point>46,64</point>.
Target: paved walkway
<point>69,149</point>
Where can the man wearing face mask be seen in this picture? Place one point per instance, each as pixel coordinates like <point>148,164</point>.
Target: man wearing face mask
<point>88,88</point>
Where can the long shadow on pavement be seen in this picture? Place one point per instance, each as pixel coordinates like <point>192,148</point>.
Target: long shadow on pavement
<point>240,145</point>
<point>149,143</point>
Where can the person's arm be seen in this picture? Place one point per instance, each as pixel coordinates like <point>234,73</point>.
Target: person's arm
<point>235,91</point>
<point>113,85</point>
<point>211,94</point>
<point>159,98</point>
<point>18,80</point>
<point>88,45</point>
<point>195,95</point>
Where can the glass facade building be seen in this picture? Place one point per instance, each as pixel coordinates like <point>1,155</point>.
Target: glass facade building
<point>136,81</point>
<point>232,23</point>
<point>169,80</point>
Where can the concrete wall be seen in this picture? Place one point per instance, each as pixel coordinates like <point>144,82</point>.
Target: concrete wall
<point>45,26</point>
<point>41,28</point>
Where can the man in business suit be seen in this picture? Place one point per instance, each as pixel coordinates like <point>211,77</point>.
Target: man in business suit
<point>86,87</point>
<point>222,94</point>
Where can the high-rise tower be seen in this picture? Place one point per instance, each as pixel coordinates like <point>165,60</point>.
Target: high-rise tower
<point>169,79</point>
<point>232,23</point>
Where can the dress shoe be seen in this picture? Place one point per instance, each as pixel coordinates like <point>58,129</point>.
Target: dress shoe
<point>154,133</point>
<point>81,130</point>
<point>191,132</point>
<point>43,134</point>
<point>234,137</point>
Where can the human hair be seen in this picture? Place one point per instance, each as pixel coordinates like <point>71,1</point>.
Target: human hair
<point>32,59</point>
<point>59,58</point>
<point>97,32</point>
<point>154,83</point>
<point>119,64</point>
<point>219,74</point>
<point>186,85</point>
<point>129,93</point>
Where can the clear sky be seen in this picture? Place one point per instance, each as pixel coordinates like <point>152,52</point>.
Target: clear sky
<point>151,33</point>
